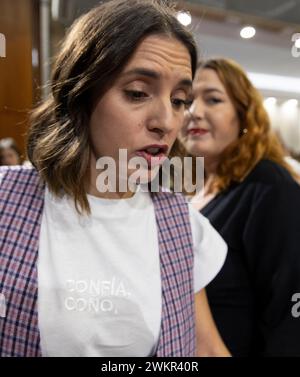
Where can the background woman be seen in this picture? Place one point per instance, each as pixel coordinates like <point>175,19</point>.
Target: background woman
<point>251,198</point>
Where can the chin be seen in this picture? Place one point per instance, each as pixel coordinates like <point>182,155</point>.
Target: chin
<point>195,151</point>
<point>143,176</point>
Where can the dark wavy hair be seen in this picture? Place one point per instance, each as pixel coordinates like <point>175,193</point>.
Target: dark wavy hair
<point>95,50</point>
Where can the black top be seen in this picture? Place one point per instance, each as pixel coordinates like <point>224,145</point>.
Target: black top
<point>251,297</point>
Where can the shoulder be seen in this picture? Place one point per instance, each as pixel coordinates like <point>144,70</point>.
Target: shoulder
<point>18,169</point>
<point>268,187</point>
<point>274,190</point>
<point>269,173</point>
<point>172,208</point>
<point>169,198</point>
<point>17,174</point>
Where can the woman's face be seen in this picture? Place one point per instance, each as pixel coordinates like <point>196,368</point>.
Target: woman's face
<point>8,156</point>
<point>212,122</point>
<point>143,110</point>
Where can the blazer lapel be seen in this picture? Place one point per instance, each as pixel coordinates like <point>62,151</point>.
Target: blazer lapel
<point>21,207</point>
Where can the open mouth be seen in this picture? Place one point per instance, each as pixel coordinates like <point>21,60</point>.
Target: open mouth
<point>155,151</point>
<point>153,154</point>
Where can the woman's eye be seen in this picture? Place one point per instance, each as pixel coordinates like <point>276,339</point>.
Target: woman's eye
<point>213,101</point>
<point>135,95</point>
<point>178,103</point>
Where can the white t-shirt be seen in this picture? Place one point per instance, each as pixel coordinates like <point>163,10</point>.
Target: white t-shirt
<point>99,276</point>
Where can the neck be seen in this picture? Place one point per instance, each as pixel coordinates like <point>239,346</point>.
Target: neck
<point>210,166</point>
<point>210,172</point>
<point>91,190</point>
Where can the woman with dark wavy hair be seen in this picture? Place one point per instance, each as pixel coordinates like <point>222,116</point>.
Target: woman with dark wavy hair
<point>251,197</point>
<point>89,272</point>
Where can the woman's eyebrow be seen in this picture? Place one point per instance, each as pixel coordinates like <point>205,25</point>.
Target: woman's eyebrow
<point>142,72</point>
<point>154,75</point>
<point>209,90</point>
<point>186,82</point>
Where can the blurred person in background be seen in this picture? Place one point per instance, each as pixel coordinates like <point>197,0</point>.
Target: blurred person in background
<point>295,164</point>
<point>251,197</point>
<point>9,152</point>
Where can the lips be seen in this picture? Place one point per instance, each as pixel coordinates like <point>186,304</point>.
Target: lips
<point>153,154</point>
<point>197,132</point>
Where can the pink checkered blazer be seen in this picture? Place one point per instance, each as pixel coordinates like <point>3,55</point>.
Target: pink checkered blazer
<point>21,207</point>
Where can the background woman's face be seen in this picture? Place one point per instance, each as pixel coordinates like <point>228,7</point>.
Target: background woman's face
<point>213,123</point>
<point>145,106</point>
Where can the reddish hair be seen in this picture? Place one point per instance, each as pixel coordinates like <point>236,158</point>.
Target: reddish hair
<point>259,142</point>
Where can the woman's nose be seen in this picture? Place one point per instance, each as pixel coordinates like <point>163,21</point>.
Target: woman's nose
<point>196,111</point>
<point>162,121</point>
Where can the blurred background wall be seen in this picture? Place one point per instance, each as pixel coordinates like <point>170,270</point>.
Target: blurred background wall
<point>33,30</point>
<point>19,70</point>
